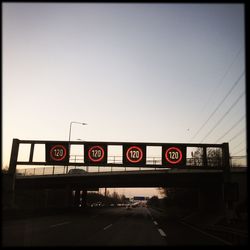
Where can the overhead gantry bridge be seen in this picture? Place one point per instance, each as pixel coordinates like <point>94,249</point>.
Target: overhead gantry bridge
<point>204,166</point>
<point>134,154</point>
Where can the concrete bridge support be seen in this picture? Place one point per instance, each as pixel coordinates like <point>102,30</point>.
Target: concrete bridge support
<point>8,181</point>
<point>76,197</point>
<point>76,202</point>
<point>68,202</point>
<point>211,199</point>
<point>84,198</point>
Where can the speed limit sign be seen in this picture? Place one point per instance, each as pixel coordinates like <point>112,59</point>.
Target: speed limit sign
<point>173,155</point>
<point>95,154</point>
<point>57,153</point>
<point>134,154</point>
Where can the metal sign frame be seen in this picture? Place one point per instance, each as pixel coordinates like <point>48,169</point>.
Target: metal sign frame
<point>125,145</point>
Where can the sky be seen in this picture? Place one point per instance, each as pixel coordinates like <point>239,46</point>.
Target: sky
<point>133,72</point>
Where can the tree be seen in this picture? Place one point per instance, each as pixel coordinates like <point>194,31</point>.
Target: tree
<point>153,201</point>
<point>214,157</point>
<point>115,196</point>
<point>123,198</point>
<point>196,159</point>
<point>4,169</point>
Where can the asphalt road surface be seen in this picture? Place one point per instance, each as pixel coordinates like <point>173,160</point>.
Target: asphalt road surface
<point>116,226</point>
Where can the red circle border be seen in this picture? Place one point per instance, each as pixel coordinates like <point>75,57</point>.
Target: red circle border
<point>64,155</point>
<point>173,162</point>
<point>94,160</point>
<point>135,161</point>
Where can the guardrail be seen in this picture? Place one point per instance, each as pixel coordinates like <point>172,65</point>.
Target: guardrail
<point>234,236</point>
<point>237,161</point>
<point>55,170</point>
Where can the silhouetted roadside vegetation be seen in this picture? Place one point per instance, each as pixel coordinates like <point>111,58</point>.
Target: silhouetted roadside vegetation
<point>97,198</point>
<point>35,202</point>
<point>177,201</point>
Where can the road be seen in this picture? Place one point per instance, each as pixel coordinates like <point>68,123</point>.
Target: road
<point>117,226</point>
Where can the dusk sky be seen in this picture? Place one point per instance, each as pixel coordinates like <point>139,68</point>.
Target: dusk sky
<point>132,72</point>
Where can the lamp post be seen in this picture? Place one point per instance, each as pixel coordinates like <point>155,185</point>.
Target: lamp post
<point>71,125</point>
<point>82,123</point>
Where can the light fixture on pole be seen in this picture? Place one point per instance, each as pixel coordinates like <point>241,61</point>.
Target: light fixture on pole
<point>71,125</point>
<point>70,135</point>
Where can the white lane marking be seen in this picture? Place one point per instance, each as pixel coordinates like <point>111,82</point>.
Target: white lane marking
<point>210,235</point>
<point>162,232</point>
<point>60,224</point>
<point>108,226</point>
<point>94,216</point>
<point>150,214</point>
<point>27,233</point>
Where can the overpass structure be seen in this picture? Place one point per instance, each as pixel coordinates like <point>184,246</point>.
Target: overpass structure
<point>211,173</point>
<point>135,178</point>
<point>134,154</point>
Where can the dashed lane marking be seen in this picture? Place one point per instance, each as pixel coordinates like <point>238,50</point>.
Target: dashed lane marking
<point>208,234</point>
<point>60,224</point>
<point>162,232</point>
<point>108,226</point>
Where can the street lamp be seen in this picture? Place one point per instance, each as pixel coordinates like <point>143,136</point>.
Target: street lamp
<point>71,125</point>
<point>70,131</point>
<point>70,135</point>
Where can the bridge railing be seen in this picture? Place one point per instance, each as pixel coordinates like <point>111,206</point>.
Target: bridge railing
<point>117,159</point>
<point>211,162</point>
<point>55,170</point>
<point>238,161</point>
<point>235,161</point>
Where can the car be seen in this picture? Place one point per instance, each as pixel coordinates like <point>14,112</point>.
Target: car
<point>19,174</point>
<point>77,171</point>
<point>128,207</point>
